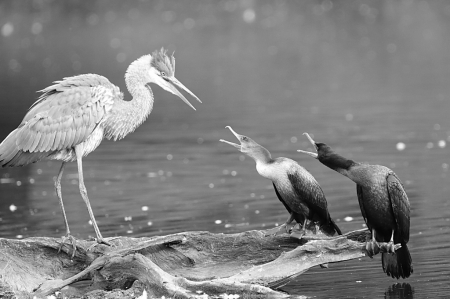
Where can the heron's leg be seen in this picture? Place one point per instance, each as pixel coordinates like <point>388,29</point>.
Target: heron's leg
<point>84,195</point>
<point>372,247</point>
<point>61,204</point>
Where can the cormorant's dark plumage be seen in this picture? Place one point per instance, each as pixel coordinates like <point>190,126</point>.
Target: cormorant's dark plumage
<point>383,202</point>
<point>294,186</point>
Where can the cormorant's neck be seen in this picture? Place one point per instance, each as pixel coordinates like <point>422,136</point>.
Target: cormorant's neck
<point>261,155</point>
<point>338,163</point>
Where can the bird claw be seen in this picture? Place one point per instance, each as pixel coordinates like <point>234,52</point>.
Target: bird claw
<point>72,240</point>
<point>100,241</point>
<point>390,247</point>
<point>298,234</point>
<point>372,248</point>
<point>277,230</point>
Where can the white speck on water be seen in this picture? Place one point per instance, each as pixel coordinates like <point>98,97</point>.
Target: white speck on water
<point>228,225</point>
<point>6,180</point>
<point>7,29</point>
<point>169,157</point>
<point>150,223</point>
<point>294,139</point>
<point>349,117</point>
<point>257,212</point>
<point>364,225</point>
<point>90,222</point>
<point>348,218</point>
<point>401,146</point>
<point>39,171</point>
<point>249,15</point>
<point>430,145</point>
<point>233,173</point>
<point>144,208</point>
<point>12,208</point>
<point>211,185</point>
<point>129,231</point>
<point>151,174</point>
<point>442,143</point>
<point>19,183</point>
<point>358,281</point>
<point>32,181</point>
<point>128,218</point>
<point>19,236</point>
<point>218,221</point>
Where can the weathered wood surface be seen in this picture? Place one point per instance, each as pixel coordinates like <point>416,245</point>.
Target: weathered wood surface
<point>183,265</point>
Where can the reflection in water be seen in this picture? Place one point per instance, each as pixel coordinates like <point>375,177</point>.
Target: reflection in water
<point>399,291</point>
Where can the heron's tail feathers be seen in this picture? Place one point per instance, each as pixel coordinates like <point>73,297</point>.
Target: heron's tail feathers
<point>398,264</point>
<point>11,155</point>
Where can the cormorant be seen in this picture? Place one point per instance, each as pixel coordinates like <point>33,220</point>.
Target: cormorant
<point>295,187</point>
<point>384,206</point>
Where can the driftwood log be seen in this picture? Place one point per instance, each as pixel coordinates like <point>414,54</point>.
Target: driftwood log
<point>183,265</point>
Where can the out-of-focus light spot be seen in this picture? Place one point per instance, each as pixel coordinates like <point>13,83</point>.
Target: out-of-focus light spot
<point>121,57</point>
<point>252,195</point>
<point>189,23</point>
<point>256,211</point>
<point>13,208</point>
<point>14,66</point>
<point>144,208</point>
<point>233,173</point>
<point>93,19</point>
<point>200,140</point>
<point>128,218</point>
<point>358,281</point>
<point>218,221</point>
<point>6,180</point>
<point>151,174</point>
<point>349,117</point>
<point>115,43</point>
<point>150,223</point>
<point>36,28</point>
<point>348,218</point>
<point>430,145</point>
<point>7,29</point>
<point>241,158</point>
<point>391,48</point>
<point>19,236</point>
<point>293,139</point>
<point>39,171</point>
<point>401,146</point>
<point>249,15</point>
<point>168,16</point>
<point>211,185</point>
<point>437,127</point>
<point>19,183</point>
<point>129,231</point>
<point>442,143</point>
<point>169,157</point>
<point>90,222</point>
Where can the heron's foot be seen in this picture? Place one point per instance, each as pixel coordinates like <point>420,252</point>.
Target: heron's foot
<point>298,233</point>
<point>372,248</point>
<point>71,240</point>
<point>277,230</point>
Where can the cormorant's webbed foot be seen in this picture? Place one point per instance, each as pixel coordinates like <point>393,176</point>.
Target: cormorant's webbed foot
<point>390,246</point>
<point>99,241</point>
<point>278,230</point>
<point>372,248</point>
<point>71,240</point>
<point>298,233</point>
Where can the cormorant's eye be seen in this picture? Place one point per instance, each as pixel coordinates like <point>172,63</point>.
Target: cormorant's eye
<point>163,74</point>
<point>245,138</point>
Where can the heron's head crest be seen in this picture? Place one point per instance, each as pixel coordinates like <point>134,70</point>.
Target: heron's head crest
<point>162,62</point>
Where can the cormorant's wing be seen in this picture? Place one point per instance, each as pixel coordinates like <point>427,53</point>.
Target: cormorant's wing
<point>400,206</point>
<point>359,192</point>
<point>309,191</point>
<point>281,199</point>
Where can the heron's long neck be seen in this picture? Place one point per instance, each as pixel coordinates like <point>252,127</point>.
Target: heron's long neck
<point>126,116</point>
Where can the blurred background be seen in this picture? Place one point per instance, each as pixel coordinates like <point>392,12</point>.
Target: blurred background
<point>369,78</point>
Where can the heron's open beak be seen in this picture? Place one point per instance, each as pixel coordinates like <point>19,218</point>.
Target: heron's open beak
<point>171,87</point>
<point>238,146</point>
<point>314,155</point>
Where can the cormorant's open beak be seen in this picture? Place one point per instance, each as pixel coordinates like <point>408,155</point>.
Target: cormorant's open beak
<point>314,155</point>
<point>238,146</point>
<point>172,81</point>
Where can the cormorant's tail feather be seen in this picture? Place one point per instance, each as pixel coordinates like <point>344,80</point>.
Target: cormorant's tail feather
<point>398,264</point>
<point>11,156</point>
<point>331,227</point>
